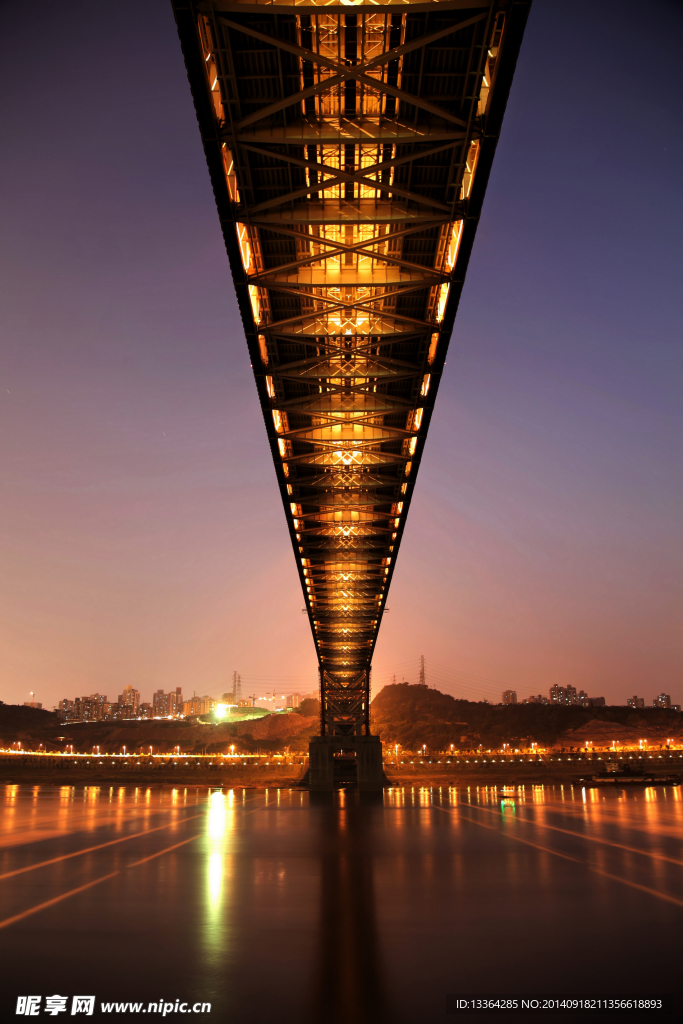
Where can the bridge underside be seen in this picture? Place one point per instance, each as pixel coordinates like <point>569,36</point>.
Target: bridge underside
<point>349,147</point>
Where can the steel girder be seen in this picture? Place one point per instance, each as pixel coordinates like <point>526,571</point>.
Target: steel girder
<point>349,147</point>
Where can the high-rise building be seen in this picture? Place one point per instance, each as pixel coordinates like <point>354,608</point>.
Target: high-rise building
<point>90,709</point>
<point>129,699</point>
<point>175,702</point>
<point>636,702</point>
<point>294,700</point>
<point>65,709</point>
<point>160,704</point>
<point>563,695</point>
<point>509,696</point>
<point>662,701</point>
<point>568,695</point>
<point>192,707</point>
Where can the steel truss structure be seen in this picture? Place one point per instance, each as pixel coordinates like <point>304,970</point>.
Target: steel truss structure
<point>349,146</point>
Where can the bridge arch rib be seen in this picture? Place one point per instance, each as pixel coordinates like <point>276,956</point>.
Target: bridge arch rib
<point>349,147</point>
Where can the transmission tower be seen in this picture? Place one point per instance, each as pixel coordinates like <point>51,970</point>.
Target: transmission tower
<point>423,680</point>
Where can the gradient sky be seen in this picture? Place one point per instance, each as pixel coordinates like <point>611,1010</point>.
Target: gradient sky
<point>143,539</point>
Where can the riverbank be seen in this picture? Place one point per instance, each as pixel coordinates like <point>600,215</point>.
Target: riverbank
<point>91,771</point>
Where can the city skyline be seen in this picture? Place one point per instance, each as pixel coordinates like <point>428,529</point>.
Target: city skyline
<point>175,703</point>
<point>147,542</point>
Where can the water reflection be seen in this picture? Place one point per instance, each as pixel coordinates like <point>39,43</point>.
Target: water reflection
<point>285,907</point>
<point>349,983</point>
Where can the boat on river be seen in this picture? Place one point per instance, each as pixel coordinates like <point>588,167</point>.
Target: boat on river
<point>629,775</point>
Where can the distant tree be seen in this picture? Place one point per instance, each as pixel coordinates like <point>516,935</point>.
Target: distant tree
<point>309,708</point>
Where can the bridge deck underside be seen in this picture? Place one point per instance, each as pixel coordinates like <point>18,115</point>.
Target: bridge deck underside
<point>349,149</point>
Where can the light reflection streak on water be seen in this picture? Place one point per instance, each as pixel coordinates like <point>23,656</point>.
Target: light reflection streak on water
<point>639,867</point>
<point>602,823</point>
<point>45,812</point>
<point>220,826</point>
<point>395,797</point>
<point>610,816</point>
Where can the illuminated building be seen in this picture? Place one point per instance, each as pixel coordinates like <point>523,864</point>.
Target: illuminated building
<point>563,695</point>
<point>160,704</point>
<point>207,705</point>
<point>192,707</point>
<point>93,708</point>
<point>174,701</point>
<point>129,702</point>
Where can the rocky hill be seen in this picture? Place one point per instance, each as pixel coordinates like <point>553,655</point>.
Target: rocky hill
<point>412,715</point>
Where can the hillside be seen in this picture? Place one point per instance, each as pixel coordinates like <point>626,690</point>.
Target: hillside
<point>17,720</point>
<point>33,727</point>
<point>412,715</point>
<point>404,714</point>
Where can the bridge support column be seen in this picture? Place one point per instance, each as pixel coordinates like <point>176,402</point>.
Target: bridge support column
<point>345,760</point>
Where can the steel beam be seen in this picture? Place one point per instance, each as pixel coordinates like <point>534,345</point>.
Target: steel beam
<point>348,300</point>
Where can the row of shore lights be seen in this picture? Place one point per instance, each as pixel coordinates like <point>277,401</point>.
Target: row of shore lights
<point>506,746</point>
<point>97,753</point>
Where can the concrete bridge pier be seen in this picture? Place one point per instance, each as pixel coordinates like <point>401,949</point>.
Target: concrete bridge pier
<point>345,761</point>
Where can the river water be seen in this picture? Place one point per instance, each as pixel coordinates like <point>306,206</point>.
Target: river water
<point>280,907</point>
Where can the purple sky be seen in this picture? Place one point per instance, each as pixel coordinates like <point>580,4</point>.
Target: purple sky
<point>142,535</point>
